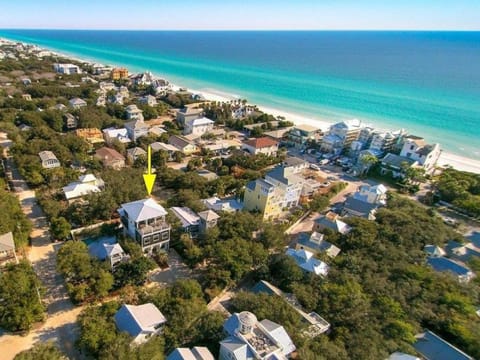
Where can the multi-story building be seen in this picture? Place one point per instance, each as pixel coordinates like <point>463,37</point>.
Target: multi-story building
<point>119,74</point>
<point>198,127</point>
<point>134,113</point>
<point>136,129</point>
<point>188,113</point>
<point>425,155</point>
<point>67,69</point>
<point>144,221</point>
<point>262,145</point>
<point>264,197</point>
<point>300,134</point>
<point>341,135</point>
<point>289,183</point>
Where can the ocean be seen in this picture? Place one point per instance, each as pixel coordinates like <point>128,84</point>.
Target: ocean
<point>425,82</point>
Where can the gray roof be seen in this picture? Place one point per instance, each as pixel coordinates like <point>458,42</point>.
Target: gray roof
<point>322,245</point>
<point>293,161</point>
<point>137,319</point>
<point>136,151</point>
<point>6,242</point>
<point>278,174</point>
<point>396,161</point>
<point>178,141</point>
<point>433,347</point>
<point>359,206</point>
<point>47,155</point>
<point>104,248</point>
<point>208,215</point>
<point>331,221</point>
<point>136,124</point>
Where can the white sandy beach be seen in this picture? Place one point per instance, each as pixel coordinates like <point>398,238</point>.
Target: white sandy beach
<point>458,162</point>
<point>446,158</point>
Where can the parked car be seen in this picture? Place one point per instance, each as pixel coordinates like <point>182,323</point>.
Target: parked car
<point>314,167</point>
<point>324,162</point>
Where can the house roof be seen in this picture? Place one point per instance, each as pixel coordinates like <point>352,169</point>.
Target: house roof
<point>278,173</point>
<point>197,353</point>
<point>179,142</point>
<point>141,210</point>
<point>137,319</point>
<point>332,221</point>
<point>443,264</point>
<point>136,151</point>
<point>136,124</point>
<point>261,142</point>
<point>359,206</point>
<point>396,161</point>
<point>106,153</point>
<point>6,242</point>
<point>87,178</point>
<point>236,346</point>
<point>318,244</point>
<point>78,189</point>
<point>186,216</point>
<point>208,215</point>
<point>105,247</point>
<point>307,262</point>
<point>306,128</point>
<point>280,335</point>
<point>47,155</point>
<point>133,109</point>
<point>77,101</point>
<point>293,161</point>
<point>156,146</point>
<point>113,133</point>
<point>202,121</point>
<point>434,250</point>
<point>433,347</point>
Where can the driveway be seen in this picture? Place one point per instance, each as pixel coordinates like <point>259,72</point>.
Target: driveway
<point>60,324</point>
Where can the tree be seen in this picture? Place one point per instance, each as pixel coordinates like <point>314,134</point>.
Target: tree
<point>133,272</point>
<point>41,351</point>
<point>60,228</point>
<point>20,303</point>
<point>367,161</point>
<point>178,156</point>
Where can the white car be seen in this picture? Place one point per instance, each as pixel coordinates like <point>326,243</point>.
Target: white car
<point>314,167</point>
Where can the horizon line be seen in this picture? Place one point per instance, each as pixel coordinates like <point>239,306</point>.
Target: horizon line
<point>249,30</point>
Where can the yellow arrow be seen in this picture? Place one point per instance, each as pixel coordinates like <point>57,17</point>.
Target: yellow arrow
<point>149,178</point>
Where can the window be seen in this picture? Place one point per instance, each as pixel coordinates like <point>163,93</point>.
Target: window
<point>412,147</point>
<point>165,235</point>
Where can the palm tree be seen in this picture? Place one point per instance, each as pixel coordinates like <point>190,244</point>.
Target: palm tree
<point>367,161</point>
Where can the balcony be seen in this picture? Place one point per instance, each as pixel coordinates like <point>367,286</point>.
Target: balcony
<point>143,230</point>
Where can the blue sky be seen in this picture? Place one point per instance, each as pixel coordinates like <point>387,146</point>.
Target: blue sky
<point>242,14</point>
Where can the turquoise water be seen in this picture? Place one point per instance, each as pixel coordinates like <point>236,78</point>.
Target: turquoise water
<point>425,82</point>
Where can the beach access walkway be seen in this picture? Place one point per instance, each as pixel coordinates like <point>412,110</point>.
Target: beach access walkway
<point>61,316</point>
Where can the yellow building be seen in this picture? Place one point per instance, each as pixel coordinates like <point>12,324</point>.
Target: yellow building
<point>92,135</point>
<point>264,197</point>
<point>119,74</point>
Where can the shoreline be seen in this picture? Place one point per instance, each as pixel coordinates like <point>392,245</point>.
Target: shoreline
<point>458,162</point>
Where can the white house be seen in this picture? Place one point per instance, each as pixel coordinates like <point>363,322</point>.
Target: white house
<point>108,249</point>
<point>425,155</point>
<point>252,339</point>
<point>67,69</point>
<point>49,160</point>
<point>144,221</point>
<point>141,321</point>
<point>190,221</point>
<point>111,134</point>
<point>136,129</point>
<point>308,262</point>
<point>134,113</point>
<point>87,184</point>
<point>198,127</point>
<point>77,103</point>
<point>376,194</point>
<point>196,353</point>
<point>148,100</point>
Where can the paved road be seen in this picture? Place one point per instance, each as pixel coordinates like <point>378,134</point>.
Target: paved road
<point>60,324</point>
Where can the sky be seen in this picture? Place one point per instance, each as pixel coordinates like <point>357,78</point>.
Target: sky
<point>242,14</point>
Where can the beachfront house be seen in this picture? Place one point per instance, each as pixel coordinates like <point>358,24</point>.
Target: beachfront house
<point>249,338</point>
<point>144,221</point>
<point>48,159</point>
<point>425,155</point>
<point>301,134</point>
<point>263,145</point>
<point>140,321</point>
<point>119,74</point>
<point>340,136</point>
